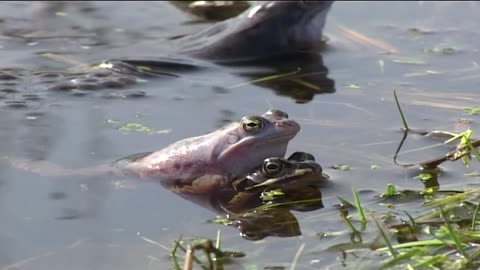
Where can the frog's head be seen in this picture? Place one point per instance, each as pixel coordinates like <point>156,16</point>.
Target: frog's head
<point>266,29</point>
<point>242,146</point>
<point>298,24</point>
<point>277,172</point>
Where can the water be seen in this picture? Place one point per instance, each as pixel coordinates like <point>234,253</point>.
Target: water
<point>55,223</point>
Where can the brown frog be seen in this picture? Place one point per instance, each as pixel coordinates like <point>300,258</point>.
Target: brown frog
<point>289,175</point>
<point>300,169</point>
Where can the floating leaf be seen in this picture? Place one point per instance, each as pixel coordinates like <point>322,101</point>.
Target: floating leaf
<point>375,166</point>
<point>472,111</point>
<point>411,61</point>
<point>341,167</point>
<point>135,127</point>
<point>424,176</point>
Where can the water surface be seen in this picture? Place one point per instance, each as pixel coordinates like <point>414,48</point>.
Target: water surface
<point>57,223</point>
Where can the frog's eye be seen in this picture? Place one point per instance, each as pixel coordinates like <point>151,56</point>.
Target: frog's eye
<point>272,167</point>
<point>252,124</point>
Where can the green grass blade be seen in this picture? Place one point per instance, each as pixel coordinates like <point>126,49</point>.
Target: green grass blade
<point>474,218</point>
<point>384,235</point>
<point>453,235</point>
<point>358,206</point>
<point>218,241</point>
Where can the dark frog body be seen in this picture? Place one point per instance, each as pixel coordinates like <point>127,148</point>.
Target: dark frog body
<point>296,181</point>
<point>300,169</point>
<point>289,175</point>
<point>266,29</point>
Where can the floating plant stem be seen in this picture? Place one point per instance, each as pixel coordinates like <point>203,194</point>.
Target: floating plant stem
<point>405,125</point>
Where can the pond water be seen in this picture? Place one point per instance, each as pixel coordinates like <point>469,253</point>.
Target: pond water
<point>426,51</point>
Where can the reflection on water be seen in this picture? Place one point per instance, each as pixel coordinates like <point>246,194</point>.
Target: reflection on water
<point>299,76</point>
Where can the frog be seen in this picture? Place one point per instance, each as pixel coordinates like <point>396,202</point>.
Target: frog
<point>277,172</point>
<point>203,164</point>
<point>298,178</point>
<point>290,175</point>
<point>198,165</point>
<point>265,30</point>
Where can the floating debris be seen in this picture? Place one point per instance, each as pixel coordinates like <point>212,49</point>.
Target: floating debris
<point>444,51</point>
<point>352,85</point>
